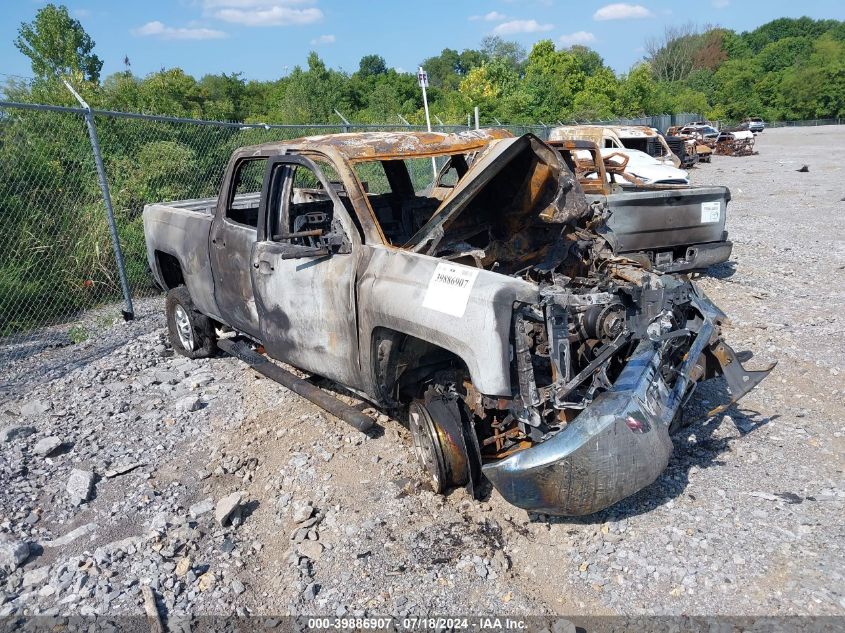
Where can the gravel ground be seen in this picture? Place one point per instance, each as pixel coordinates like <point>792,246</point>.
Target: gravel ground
<point>122,465</point>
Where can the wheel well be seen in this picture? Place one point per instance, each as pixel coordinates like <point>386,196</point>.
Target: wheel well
<point>170,270</point>
<point>403,365</point>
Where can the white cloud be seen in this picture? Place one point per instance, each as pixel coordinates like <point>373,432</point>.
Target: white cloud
<point>521,26</point>
<point>493,16</point>
<point>162,31</point>
<point>324,39</point>
<point>579,37</point>
<point>720,4</point>
<point>622,11</point>
<point>81,13</point>
<point>276,15</point>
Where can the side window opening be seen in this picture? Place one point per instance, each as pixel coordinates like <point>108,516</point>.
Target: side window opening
<point>400,195</point>
<point>309,208</point>
<point>245,193</point>
<point>303,205</point>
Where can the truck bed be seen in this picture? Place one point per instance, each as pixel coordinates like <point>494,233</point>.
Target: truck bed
<point>666,222</point>
<point>208,205</point>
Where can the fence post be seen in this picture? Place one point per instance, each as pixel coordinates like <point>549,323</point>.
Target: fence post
<point>129,312</point>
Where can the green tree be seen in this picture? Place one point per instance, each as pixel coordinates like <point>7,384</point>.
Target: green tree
<point>589,61</point>
<point>816,89</point>
<point>494,47</point>
<point>312,95</point>
<point>56,43</point>
<point>735,94</point>
<point>596,100</point>
<point>552,79</point>
<point>637,93</point>
<point>171,92</point>
<point>223,96</point>
<point>444,70</point>
<point>784,53</point>
<point>787,27</point>
<point>372,65</point>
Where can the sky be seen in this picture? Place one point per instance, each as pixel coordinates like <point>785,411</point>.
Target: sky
<point>265,39</point>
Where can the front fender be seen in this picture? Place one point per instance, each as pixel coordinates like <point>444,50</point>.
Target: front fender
<point>398,290</point>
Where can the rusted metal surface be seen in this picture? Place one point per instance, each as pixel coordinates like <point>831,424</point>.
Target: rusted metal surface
<point>704,144</point>
<point>737,143</point>
<point>505,317</point>
<point>639,137</point>
<point>382,145</point>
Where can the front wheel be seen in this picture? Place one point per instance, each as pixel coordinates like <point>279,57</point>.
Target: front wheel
<point>191,333</point>
<point>445,442</point>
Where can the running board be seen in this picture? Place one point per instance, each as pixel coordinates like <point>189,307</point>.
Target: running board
<point>271,370</point>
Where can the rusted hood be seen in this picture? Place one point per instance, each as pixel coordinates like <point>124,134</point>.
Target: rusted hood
<point>540,186</point>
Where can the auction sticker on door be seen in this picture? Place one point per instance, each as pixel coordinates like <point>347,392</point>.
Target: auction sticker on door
<point>449,288</point>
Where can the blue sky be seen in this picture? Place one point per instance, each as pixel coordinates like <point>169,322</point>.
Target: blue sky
<point>264,39</point>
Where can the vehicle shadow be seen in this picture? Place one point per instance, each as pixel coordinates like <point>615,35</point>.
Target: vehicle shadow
<point>721,271</point>
<point>696,444</point>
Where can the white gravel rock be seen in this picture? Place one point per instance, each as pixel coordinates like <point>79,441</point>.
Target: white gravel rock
<point>80,485</point>
<point>35,407</point>
<point>47,445</point>
<point>302,511</point>
<point>13,553</point>
<point>35,577</point>
<point>201,507</point>
<point>226,507</point>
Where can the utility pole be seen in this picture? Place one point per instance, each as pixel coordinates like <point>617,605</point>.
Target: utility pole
<point>476,117</point>
<point>422,77</point>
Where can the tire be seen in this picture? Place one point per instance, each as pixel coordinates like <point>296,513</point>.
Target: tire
<point>445,443</point>
<point>191,333</point>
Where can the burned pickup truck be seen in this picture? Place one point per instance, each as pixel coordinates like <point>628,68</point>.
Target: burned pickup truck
<point>489,317</point>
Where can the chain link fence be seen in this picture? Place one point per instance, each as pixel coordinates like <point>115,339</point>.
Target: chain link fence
<point>59,278</point>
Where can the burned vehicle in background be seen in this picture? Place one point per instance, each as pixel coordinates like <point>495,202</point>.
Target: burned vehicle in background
<point>736,142</point>
<point>670,228</point>
<point>703,138</point>
<point>686,149</point>
<point>625,137</point>
<point>484,311</point>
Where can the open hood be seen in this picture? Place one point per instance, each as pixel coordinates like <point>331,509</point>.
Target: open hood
<point>516,190</point>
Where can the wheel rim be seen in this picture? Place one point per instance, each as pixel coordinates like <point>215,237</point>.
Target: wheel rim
<point>184,328</point>
<point>425,448</point>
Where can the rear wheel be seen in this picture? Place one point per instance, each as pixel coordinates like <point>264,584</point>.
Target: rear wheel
<point>191,333</point>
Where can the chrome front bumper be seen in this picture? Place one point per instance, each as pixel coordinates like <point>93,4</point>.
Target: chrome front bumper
<point>620,443</point>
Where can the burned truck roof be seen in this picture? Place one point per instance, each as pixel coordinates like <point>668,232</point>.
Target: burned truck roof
<point>591,132</point>
<point>383,145</point>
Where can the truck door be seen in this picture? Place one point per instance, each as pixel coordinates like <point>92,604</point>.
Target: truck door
<point>304,270</point>
<point>232,237</point>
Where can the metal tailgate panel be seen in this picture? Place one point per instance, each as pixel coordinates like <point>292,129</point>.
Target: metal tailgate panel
<point>660,219</point>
